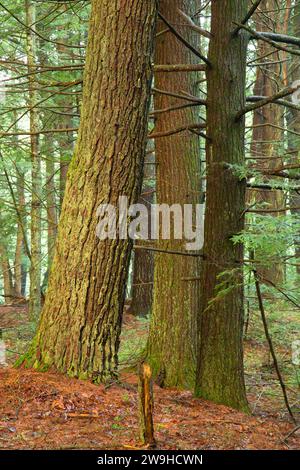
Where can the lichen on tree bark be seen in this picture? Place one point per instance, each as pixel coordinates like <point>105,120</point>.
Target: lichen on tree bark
<point>80,325</point>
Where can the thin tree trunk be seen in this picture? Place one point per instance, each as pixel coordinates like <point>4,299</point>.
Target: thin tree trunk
<point>172,338</point>
<point>19,253</point>
<point>266,137</point>
<point>293,123</point>
<point>8,286</point>
<point>79,331</point>
<point>220,362</point>
<point>50,198</point>
<point>143,268</point>
<point>35,229</point>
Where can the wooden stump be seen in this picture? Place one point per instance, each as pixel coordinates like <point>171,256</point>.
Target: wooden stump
<point>146,406</point>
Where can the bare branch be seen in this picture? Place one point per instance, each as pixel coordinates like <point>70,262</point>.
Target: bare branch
<point>248,16</point>
<point>263,37</point>
<point>194,26</point>
<point>288,104</point>
<point>270,342</point>
<point>168,252</point>
<point>183,96</point>
<point>48,131</point>
<point>184,41</point>
<point>180,68</point>
<point>188,127</point>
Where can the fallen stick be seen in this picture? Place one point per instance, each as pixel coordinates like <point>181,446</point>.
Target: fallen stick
<point>146,406</point>
<point>265,323</point>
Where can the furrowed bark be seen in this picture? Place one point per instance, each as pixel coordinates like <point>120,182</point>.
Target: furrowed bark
<point>79,331</point>
<point>220,361</point>
<point>172,338</point>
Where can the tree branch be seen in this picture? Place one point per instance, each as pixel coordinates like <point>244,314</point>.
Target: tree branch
<point>263,37</point>
<point>193,25</point>
<point>180,68</point>
<point>267,100</point>
<point>168,252</point>
<point>184,41</point>
<point>248,16</point>
<point>268,337</point>
<point>288,104</point>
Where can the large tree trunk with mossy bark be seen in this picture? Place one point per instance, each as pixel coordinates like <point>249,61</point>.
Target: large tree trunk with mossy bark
<point>220,363</point>
<point>80,325</point>
<point>172,339</point>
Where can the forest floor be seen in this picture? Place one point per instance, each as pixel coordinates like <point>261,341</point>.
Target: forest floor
<point>50,411</point>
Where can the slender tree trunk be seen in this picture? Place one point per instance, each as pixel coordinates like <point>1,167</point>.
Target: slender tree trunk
<point>293,123</point>
<point>66,121</point>
<point>50,198</point>
<point>79,331</point>
<point>143,268</point>
<point>267,137</point>
<point>35,229</point>
<point>220,363</point>
<point>19,253</point>
<point>8,286</point>
<point>172,338</point>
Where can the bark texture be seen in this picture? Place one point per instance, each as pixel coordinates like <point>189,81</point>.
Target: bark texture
<point>80,324</point>
<point>172,339</point>
<point>220,362</point>
<point>143,268</point>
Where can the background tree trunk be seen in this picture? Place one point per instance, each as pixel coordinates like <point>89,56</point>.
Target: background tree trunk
<point>8,285</point>
<point>172,338</point>
<point>35,229</point>
<point>220,362</point>
<point>267,138</point>
<point>19,267</point>
<point>293,123</point>
<point>80,325</point>
<point>143,264</point>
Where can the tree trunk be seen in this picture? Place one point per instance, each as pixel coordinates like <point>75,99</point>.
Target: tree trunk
<point>293,123</point>
<point>172,339</point>
<point>8,286</point>
<point>143,269</point>
<point>20,253</point>
<point>35,229</point>
<point>220,362</point>
<point>267,138</point>
<point>79,331</point>
<point>50,198</point>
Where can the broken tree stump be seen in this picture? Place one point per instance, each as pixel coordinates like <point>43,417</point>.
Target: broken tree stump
<point>146,406</point>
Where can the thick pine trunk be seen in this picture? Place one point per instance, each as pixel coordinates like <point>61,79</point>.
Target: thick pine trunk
<point>220,363</point>
<point>80,324</point>
<point>172,339</point>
